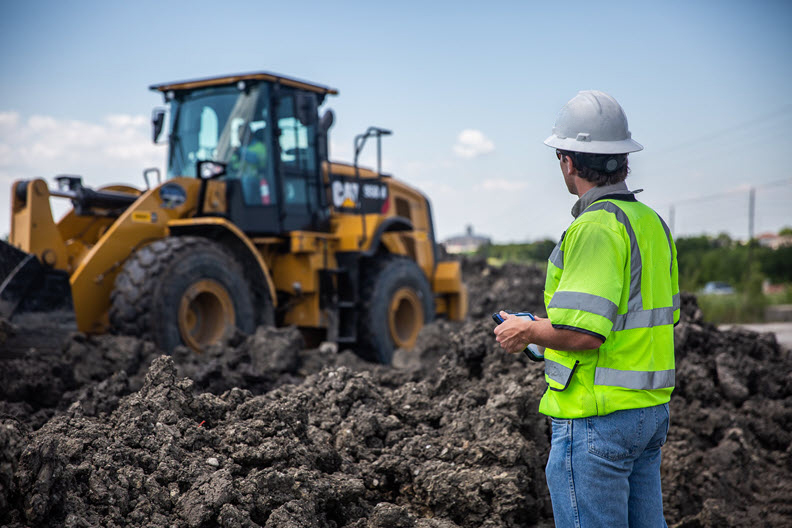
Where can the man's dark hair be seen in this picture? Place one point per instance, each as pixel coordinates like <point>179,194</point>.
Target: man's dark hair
<point>593,167</point>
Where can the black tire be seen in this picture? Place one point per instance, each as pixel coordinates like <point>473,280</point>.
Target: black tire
<point>385,282</point>
<point>182,291</point>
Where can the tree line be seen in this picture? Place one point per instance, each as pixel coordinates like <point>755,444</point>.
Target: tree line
<point>702,259</point>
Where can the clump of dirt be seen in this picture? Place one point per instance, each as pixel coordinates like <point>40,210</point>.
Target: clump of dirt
<point>13,437</point>
<point>512,287</point>
<point>260,432</point>
<point>39,380</point>
<point>6,329</point>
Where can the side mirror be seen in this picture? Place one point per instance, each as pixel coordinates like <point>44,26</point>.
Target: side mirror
<point>322,141</point>
<point>157,120</point>
<point>209,170</point>
<point>306,108</point>
<point>326,121</point>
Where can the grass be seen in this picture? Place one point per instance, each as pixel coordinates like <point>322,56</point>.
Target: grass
<point>741,307</point>
<point>733,308</point>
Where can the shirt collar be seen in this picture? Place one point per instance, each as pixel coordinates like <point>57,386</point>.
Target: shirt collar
<point>594,194</point>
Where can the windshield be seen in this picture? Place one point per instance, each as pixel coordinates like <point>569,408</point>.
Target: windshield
<point>214,124</point>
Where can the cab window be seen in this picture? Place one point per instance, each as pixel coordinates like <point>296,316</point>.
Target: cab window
<point>298,148</point>
<point>297,143</point>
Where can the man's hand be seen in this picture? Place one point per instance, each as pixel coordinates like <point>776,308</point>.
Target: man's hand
<point>512,333</point>
<point>515,333</point>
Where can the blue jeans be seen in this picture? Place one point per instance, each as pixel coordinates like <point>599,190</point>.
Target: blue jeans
<point>605,470</point>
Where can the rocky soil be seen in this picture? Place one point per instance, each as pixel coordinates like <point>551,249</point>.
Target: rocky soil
<point>103,431</point>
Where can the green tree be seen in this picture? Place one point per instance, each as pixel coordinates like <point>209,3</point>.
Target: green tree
<point>777,264</point>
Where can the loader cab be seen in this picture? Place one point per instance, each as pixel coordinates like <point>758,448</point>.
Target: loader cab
<point>266,132</point>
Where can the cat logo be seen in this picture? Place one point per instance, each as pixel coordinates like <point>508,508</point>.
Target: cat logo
<point>362,197</point>
<point>345,194</point>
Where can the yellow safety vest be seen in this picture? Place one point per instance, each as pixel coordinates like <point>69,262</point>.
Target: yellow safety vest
<point>613,275</point>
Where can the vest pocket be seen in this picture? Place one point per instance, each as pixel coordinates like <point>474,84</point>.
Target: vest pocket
<point>558,371</point>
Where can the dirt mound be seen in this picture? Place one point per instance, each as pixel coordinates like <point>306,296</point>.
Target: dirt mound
<point>728,459</point>
<point>263,433</point>
<point>336,450</point>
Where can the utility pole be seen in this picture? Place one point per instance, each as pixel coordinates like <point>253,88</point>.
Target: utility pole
<point>671,218</point>
<point>751,212</point>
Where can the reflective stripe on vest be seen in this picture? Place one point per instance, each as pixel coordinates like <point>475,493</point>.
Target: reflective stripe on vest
<point>670,244</point>
<point>644,319</point>
<point>557,257</point>
<point>559,373</point>
<point>585,302</point>
<point>634,379</point>
<point>597,305</point>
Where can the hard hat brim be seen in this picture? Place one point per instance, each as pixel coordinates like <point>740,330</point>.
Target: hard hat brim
<point>624,146</point>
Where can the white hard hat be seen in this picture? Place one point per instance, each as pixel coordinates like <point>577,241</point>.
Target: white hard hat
<point>592,122</point>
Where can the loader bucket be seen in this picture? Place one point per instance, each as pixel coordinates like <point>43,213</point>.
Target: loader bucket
<point>29,287</point>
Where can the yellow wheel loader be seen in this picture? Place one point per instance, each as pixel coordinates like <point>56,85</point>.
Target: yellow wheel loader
<point>252,225</point>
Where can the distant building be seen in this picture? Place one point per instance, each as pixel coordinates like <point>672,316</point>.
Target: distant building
<point>773,241</point>
<point>467,243</point>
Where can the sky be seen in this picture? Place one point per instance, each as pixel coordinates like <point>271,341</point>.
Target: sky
<point>470,89</point>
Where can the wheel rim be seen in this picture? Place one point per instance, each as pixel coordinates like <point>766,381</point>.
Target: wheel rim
<point>206,314</point>
<point>405,317</point>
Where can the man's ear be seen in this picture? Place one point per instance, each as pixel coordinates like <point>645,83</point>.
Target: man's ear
<point>571,169</point>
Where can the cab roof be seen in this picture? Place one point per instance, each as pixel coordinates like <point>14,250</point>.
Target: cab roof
<point>234,78</point>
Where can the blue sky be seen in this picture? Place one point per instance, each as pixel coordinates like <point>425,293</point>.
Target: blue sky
<point>705,86</point>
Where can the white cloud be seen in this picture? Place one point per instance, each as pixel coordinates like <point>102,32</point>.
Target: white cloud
<point>43,145</point>
<point>499,184</point>
<point>115,150</point>
<point>472,143</point>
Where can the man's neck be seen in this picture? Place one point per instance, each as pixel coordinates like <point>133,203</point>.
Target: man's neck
<point>594,193</point>
<point>583,186</point>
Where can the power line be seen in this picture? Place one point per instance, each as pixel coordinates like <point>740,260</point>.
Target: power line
<point>751,190</point>
<point>735,190</point>
<point>736,146</point>
<point>760,119</point>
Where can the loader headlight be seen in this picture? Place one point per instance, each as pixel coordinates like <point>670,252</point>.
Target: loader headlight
<point>208,170</point>
<point>172,195</point>
<point>67,182</point>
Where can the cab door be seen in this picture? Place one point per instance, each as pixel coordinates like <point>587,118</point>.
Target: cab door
<point>252,189</point>
<point>303,202</point>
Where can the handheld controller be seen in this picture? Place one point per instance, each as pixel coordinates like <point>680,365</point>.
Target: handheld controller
<point>531,350</point>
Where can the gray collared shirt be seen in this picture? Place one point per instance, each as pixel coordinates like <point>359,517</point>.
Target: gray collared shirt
<point>592,195</point>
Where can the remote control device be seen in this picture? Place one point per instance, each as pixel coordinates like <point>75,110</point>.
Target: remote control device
<point>532,351</point>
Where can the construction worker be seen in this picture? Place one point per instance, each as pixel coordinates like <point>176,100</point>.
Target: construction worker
<point>612,301</point>
<point>250,164</point>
